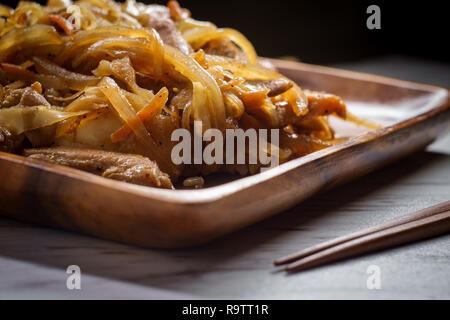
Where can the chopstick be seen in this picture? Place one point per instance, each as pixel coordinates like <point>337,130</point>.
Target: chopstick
<point>416,226</point>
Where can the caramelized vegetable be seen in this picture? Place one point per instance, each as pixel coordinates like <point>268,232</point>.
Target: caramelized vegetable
<point>112,80</point>
<point>18,119</point>
<point>29,38</point>
<point>154,107</point>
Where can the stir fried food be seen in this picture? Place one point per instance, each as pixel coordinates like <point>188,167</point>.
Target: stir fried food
<point>100,86</point>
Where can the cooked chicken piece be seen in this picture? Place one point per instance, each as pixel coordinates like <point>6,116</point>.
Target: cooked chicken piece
<point>275,87</point>
<point>24,97</point>
<point>224,47</point>
<point>118,166</point>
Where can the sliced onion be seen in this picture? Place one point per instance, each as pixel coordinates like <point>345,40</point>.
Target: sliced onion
<point>189,68</point>
<point>62,23</point>
<point>87,103</point>
<point>235,106</point>
<point>200,104</point>
<point>122,69</point>
<point>72,97</point>
<point>198,37</point>
<point>35,9</point>
<point>154,45</point>
<point>19,119</point>
<point>5,11</point>
<point>33,37</point>
<point>120,103</point>
<point>154,107</point>
<point>112,7</point>
<point>295,95</point>
<point>74,80</point>
<point>74,124</point>
<point>242,69</point>
<point>184,64</point>
<point>59,3</point>
<point>189,24</point>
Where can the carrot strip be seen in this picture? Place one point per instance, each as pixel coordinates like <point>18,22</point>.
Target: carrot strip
<point>13,68</point>
<point>151,109</point>
<point>62,23</point>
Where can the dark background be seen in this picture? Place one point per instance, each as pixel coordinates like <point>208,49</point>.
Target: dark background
<point>324,31</point>
<point>329,32</point>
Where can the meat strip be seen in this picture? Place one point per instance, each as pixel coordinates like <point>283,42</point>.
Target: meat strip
<point>169,34</point>
<point>10,142</point>
<point>275,87</point>
<point>24,97</point>
<point>118,166</point>
<point>158,17</point>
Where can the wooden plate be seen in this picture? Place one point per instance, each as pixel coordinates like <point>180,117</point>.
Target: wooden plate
<point>413,115</point>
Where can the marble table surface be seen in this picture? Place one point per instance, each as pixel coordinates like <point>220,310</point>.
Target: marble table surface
<point>33,259</point>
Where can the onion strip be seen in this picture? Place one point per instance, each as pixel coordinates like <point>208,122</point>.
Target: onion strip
<point>19,120</point>
<point>62,23</point>
<point>74,80</point>
<point>295,95</point>
<point>198,37</point>
<point>189,68</point>
<point>120,103</point>
<point>90,37</point>
<point>153,108</point>
<point>37,35</point>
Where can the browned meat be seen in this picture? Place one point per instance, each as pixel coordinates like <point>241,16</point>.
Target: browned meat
<point>159,18</point>
<point>118,166</point>
<point>41,137</point>
<point>275,87</point>
<point>10,142</point>
<point>160,129</point>
<point>24,97</point>
<point>224,47</point>
<point>169,34</point>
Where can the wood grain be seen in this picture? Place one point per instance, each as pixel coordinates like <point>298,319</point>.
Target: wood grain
<point>33,259</point>
<point>62,197</point>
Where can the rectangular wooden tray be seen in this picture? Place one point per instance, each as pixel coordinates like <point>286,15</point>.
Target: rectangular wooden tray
<point>412,114</point>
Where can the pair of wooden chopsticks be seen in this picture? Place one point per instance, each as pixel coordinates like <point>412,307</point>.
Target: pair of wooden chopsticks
<point>415,226</point>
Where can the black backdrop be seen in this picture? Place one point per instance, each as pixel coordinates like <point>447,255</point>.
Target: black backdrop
<point>327,31</point>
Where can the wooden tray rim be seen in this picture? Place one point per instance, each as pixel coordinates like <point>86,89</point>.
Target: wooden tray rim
<point>211,194</point>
